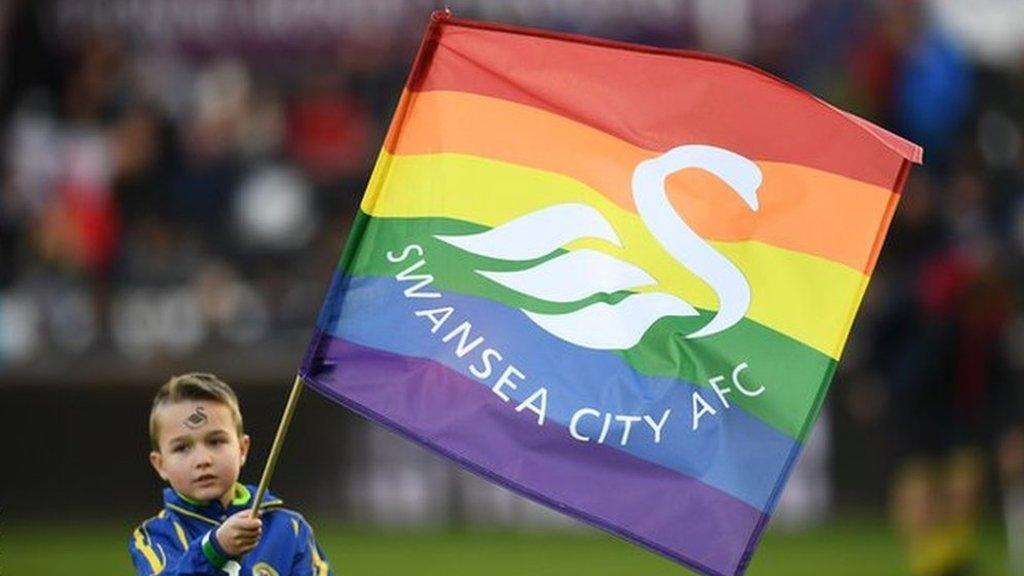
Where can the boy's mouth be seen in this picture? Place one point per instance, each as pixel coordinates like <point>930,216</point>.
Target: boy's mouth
<point>205,478</point>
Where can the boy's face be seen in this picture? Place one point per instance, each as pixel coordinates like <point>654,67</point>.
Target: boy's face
<point>200,452</point>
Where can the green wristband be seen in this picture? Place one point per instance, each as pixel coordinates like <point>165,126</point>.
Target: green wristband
<point>211,552</point>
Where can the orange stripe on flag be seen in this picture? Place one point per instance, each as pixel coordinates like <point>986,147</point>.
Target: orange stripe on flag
<point>801,208</point>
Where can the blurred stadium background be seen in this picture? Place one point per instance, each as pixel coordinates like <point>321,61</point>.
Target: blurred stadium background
<point>176,182</point>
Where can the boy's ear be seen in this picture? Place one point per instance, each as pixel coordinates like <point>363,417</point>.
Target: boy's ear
<point>243,446</point>
<point>156,460</point>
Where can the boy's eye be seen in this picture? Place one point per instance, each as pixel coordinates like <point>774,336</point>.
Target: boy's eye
<point>179,448</point>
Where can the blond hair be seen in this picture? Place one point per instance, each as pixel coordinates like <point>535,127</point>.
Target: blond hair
<point>193,386</point>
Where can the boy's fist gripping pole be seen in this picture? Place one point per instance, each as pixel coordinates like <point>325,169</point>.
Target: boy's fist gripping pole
<point>240,533</point>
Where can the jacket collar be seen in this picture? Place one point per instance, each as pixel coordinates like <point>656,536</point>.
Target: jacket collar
<point>213,512</point>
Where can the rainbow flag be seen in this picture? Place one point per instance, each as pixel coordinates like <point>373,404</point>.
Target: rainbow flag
<point>615,279</point>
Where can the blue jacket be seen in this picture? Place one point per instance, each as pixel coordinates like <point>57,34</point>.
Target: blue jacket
<point>179,541</point>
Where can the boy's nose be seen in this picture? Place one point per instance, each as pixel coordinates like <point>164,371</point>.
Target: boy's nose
<point>203,458</point>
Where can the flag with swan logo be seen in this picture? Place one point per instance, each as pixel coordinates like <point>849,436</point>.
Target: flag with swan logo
<point>613,278</point>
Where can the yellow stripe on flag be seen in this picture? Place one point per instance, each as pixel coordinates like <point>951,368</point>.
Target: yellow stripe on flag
<point>804,297</point>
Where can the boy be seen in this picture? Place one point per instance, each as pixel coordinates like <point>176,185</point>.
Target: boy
<point>199,447</point>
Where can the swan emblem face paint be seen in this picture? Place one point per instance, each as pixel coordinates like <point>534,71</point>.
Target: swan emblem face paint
<point>579,274</point>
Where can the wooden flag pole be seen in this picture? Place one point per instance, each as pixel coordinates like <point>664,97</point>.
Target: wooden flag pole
<point>275,449</point>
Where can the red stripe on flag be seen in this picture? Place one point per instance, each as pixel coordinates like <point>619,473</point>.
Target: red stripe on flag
<point>659,99</point>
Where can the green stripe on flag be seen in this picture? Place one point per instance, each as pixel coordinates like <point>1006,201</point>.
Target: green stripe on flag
<point>794,376</point>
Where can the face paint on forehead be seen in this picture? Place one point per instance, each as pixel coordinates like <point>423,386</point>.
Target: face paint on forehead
<point>196,419</point>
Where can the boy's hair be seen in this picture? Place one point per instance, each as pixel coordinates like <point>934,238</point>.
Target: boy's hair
<point>193,386</point>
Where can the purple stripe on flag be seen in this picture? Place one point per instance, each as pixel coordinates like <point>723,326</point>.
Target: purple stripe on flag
<point>661,509</point>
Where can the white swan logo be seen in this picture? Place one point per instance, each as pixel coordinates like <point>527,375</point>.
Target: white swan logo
<point>581,273</point>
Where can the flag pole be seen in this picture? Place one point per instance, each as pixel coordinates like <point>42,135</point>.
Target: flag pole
<point>275,449</point>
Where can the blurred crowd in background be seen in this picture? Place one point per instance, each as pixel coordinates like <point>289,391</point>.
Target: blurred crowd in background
<point>177,173</point>
<point>177,178</point>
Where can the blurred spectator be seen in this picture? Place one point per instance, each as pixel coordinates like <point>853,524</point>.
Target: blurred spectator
<point>934,86</point>
<point>329,133</point>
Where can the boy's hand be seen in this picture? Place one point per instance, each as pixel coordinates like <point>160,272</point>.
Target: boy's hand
<point>239,534</point>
